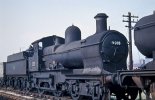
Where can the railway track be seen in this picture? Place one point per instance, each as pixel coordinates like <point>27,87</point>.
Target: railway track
<point>10,94</point>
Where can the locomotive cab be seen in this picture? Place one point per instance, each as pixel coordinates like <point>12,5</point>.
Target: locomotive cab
<point>36,62</point>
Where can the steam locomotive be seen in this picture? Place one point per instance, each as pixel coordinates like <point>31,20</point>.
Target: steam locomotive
<point>93,68</point>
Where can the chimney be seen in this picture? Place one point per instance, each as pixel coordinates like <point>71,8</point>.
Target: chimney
<point>101,22</point>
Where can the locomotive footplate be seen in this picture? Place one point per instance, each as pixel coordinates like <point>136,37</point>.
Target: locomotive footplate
<point>143,74</point>
<point>141,79</point>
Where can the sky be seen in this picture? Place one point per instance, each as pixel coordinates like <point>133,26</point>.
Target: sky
<point>24,21</point>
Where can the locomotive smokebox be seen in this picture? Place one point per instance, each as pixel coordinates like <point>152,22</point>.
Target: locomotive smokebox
<point>144,33</point>
<point>101,22</point>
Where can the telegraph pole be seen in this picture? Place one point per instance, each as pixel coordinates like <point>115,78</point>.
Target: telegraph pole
<point>130,21</point>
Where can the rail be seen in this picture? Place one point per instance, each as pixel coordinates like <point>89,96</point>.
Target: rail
<point>11,94</point>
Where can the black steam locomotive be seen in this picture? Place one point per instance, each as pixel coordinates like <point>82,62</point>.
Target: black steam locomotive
<point>93,68</point>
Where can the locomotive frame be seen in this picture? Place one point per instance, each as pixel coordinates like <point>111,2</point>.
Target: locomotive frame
<point>69,66</point>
